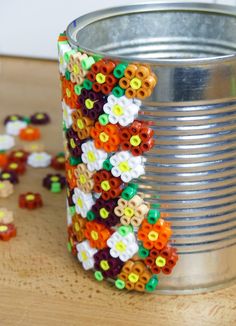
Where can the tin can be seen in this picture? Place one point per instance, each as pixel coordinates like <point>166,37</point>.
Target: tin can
<point>191,170</point>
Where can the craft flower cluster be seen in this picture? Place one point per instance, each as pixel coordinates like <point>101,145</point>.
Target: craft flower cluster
<point>112,229</point>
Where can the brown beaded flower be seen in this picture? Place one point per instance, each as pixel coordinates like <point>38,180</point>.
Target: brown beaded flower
<point>82,125</point>
<point>78,227</point>
<point>84,178</point>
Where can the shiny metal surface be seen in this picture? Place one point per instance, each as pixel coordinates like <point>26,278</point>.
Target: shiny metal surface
<point>192,50</point>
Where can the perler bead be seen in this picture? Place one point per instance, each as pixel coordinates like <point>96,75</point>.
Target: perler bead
<point>91,103</point>
<point>7,231</point>
<point>162,260</point>
<point>132,211</point>
<point>34,147</point>
<point>138,81</point>
<point>77,73</point>
<point>106,264</point>
<point>58,161</point>
<point>107,185</point>
<point>54,182</point>
<point>39,160</point>
<point>73,142</point>
<point>106,137</point>
<point>72,241</point>
<point>6,216</point>
<point>66,114</point>
<point>121,110</point>
<point>13,117</point>
<point>19,155</point>
<point>3,160</point>
<point>92,156</point>
<point>103,212</point>
<point>137,138</point>
<point>81,124</point>
<point>6,142</point>
<point>39,118</point>
<point>7,175</point>
<point>78,226</point>
<point>68,93</point>
<point>86,254</point>
<point>30,200</point>
<point>97,234</point>
<point>13,128</point>
<point>70,175</point>
<point>83,202</point>
<point>84,178</point>
<point>29,133</point>
<point>17,167</point>
<point>6,189</point>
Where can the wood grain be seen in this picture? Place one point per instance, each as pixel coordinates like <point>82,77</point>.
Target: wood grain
<point>40,283</point>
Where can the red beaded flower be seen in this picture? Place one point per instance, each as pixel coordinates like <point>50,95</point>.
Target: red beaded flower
<point>105,183</point>
<point>30,200</point>
<point>7,231</point>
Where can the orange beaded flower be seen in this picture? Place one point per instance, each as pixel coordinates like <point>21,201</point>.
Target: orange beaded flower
<point>106,137</point>
<point>154,235</point>
<point>81,124</point>
<point>70,175</point>
<point>138,81</point>
<point>78,227</point>
<point>97,234</point>
<point>68,93</point>
<point>30,133</point>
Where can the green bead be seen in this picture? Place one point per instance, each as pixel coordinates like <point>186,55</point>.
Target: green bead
<point>103,119</point>
<point>72,210</point>
<point>75,160</point>
<point>90,215</point>
<point>78,89</point>
<point>87,63</point>
<point>118,91</point>
<point>56,187</point>
<point>69,247</point>
<point>120,284</point>
<point>27,119</point>
<point>107,165</point>
<point>98,276</point>
<point>97,57</point>
<point>153,216</point>
<point>152,284</point>
<point>68,54</point>
<point>143,252</point>
<point>119,70</point>
<point>128,193</point>
<point>67,75</point>
<point>124,230</point>
<point>87,84</point>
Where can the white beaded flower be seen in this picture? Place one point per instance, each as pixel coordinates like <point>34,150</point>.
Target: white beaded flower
<point>63,47</point>
<point>122,246</point>
<point>85,254</point>
<point>127,166</point>
<point>39,160</point>
<point>121,110</point>
<point>67,111</point>
<point>83,202</point>
<point>92,156</point>
<point>68,214</point>
<point>13,127</point>
<point>6,142</point>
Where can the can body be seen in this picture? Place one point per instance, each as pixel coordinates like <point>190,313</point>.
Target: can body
<point>190,168</point>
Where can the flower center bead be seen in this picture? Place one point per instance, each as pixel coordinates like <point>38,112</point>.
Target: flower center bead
<point>94,235</point>
<point>129,212</point>
<point>89,104</point>
<point>77,227</point>
<point>135,83</point>
<point>80,202</point>
<point>1,185</point>
<point>117,110</point>
<point>124,166</point>
<point>103,213</point>
<point>68,92</point>
<point>135,140</point>
<point>5,175</point>
<point>19,154</point>
<point>2,214</point>
<point>75,69</point>
<point>3,228</point>
<point>40,116</point>
<point>13,165</point>
<point>105,185</point>
<point>103,137</point>
<point>104,265</point>
<point>72,143</point>
<point>82,179</point>
<point>152,235</point>
<point>120,246</point>
<point>84,256</point>
<point>133,278</point>
<point>30,197</point>
<point>80,124</point>
<point>91,157</point>
<point>100,78</point>
<point>160,261</point>
<point>54,179</point>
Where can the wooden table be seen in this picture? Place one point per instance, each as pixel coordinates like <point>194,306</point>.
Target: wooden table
<point>40,283</point>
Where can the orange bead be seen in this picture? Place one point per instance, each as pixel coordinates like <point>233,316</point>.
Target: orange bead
<point>30,133</point>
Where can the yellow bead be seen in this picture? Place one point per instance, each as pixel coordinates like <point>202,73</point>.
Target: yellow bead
<point>79,202</point>
<point>152,235</point>
<point>135,140</point>
<point>5,175</point>
<point>80,124</point>
<point>133,278</point>
<point>129,212</point>
<point>100,78</point>
<point>91,157</point>
<point>3,228</point>
<point>124,166</point>
<point>94,235</point>
<point>117,110</point>
<point>105,185</point>
<point>120,246</point>
<point>104,265</point>
<point>72,143</point>
<point>68,93</point>
<point>135,83</point>
<point>103,137</point>
<point>89,104</point>
<point>160,261</point>
<point>54,179</point>
<point>84,256</point>
<point>76,69</point>
<point>30,197</point>
<point>103,213</point>
<point>82,179</point>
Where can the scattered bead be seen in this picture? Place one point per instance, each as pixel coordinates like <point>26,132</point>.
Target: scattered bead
<point>13,118</point>
<point>6,142</point>
<point>39,118</point>
<point>7,175</point>
<point>39,160</point>
<point>34,147</point>
<point>6,189</point>
<point>6,216</point>
<point>7,231</point>
<point>13,128</point>
<point>17,167</point>
<point>30,200</point>
<point>58,161</point>
<point>54,182</point>
<point>29,133</point>
<point>19,155</point>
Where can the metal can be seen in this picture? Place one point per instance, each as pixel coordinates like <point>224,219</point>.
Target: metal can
<point>191,169</point>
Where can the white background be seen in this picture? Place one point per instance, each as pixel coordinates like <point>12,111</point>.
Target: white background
<point>30,27</point>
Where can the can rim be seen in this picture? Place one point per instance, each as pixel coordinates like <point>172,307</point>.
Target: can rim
<point>81,22</point>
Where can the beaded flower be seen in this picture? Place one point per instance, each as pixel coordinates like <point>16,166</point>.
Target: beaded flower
<point>7,175</point>
<point>97,234</point>
<point>6,189</point>
<point>73,143</point>
<point>121,109</point>
<point>78,226</point>
<point>77,73</point>
<point>66,115</point>
<point>123,244</point>
<point>70,175</point>
<point>6,142</point>
<point>7,231</point>
<point>91,103</point>
<point>126,166</point>
<point>39,118</point>
<point>107,185</point>
<point>92,156</point>
<point>39,160</point>
<point>86,254</point>
<point>106,137</point>
<point>6,216</point>
<point>19,155</point>
<point>83,202</point>
<point>106,264</point>
<point>84,178</point>
<point>103,212</point>
<point>69,94</point>
<point>13,127</point>
<point>81,124</point>
<point>63,48</point>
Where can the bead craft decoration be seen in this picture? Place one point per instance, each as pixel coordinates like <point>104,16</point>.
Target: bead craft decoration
<point>112,229</point>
